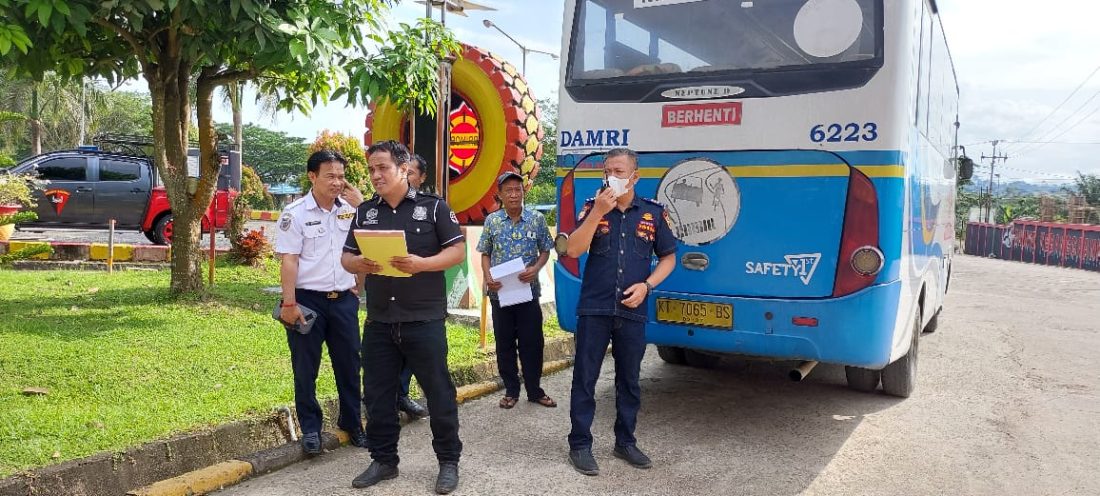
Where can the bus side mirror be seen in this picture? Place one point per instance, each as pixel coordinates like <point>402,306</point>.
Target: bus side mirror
<point>966,168</point>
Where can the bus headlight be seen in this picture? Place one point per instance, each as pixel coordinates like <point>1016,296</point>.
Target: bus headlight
<point>867,261</point>
<point>561,244</point>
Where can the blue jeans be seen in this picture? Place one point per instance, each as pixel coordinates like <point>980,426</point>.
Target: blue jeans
<point>406,380</point>
<point>337,326</point>
<point>627,339</point>
<point>387,347</point>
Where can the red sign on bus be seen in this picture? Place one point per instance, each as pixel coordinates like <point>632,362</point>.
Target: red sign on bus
<point>701,114</point>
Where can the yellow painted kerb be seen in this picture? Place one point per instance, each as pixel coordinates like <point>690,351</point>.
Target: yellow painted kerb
<point>123,252</point>
<point>201,481</point>
<point>19,245</point>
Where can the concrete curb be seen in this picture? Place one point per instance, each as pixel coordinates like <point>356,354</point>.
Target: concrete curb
<point>198,463</point>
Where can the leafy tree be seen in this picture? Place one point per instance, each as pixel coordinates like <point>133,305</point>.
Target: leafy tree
<point>276,157</point>
<point>406,71</point>
<point>253,191</point>
<point>549,162</point>
<point>300,51</point>
<point>352,150</point>
<point>1088,186</point>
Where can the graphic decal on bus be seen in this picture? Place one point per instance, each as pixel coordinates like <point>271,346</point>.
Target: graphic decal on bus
<point>702,200</point>
<point>801,266</point>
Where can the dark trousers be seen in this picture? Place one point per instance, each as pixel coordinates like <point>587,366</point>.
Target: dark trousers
<point>423,346</point>
<point>627,338</point>
<point>337,326</point>
<point>520,324</point>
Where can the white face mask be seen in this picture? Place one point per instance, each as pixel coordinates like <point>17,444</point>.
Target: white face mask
<point>617,185</point>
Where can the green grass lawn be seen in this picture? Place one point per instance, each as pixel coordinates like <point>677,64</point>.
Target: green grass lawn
<point>126,363</point>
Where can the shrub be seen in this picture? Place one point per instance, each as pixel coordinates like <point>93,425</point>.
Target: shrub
<point>352,149</point>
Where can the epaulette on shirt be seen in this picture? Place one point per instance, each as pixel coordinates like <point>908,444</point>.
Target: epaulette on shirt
<point>429,195</point>
<point>655,202</point>
<point>294,203</point>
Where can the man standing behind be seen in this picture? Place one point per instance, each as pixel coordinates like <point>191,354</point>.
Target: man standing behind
<point>517,232</point>
<point>312,230</point>
<point>405,315</point>
<point>621,232</point>
<point>418,172</point>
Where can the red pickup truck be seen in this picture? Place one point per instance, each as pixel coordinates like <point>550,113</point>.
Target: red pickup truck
<point>88,187</point>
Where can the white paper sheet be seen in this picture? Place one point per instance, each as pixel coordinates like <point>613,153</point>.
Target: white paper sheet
<point>512,291</point>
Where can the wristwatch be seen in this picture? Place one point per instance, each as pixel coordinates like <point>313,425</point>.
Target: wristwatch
<point>648,287</point>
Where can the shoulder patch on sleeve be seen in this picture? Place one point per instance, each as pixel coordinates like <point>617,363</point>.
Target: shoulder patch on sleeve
<point>587,207</point>
<point>285,221</point>
<point>454,217</point>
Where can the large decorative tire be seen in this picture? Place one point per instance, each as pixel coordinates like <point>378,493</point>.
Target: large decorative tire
<point>511,132</point>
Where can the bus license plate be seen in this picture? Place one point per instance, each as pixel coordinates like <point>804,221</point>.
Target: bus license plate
<point>699,313</point>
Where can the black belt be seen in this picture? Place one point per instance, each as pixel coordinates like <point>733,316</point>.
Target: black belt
<point>332,295</point>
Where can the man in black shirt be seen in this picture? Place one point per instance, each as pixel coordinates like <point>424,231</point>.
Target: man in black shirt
<point>405,315</point>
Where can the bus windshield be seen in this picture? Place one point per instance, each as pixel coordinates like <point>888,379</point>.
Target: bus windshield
<point>655,41</point>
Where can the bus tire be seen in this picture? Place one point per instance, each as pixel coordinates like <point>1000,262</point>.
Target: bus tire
<point>934,323</point>
<point>700,360</point>
<point>162,230</point>
<point>900,378</point>
<point>671,354</point>
<point>861,379</point>
<point>511,130</point>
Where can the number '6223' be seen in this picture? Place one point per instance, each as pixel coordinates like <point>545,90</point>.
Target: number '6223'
<point>836,133</point>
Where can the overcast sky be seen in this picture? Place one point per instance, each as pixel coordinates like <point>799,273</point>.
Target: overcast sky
<point>1016,61</point>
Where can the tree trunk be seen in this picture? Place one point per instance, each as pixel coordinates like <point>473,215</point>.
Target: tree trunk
<point>237,92</point>
<point>36,123</point>
<point>189,198</point>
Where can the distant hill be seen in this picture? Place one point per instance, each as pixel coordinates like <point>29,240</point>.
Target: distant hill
<point>1020,187</point>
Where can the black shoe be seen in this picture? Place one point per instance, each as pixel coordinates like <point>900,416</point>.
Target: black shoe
<point>583,461</point>
<point>375,473</point>
<point>447,480</point>
<point>358,439</point>
<point>311,443</point>
<point>412,408</point>
<point>633,456</point>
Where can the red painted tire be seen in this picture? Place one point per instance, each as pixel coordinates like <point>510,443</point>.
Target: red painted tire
<point>511,132</point>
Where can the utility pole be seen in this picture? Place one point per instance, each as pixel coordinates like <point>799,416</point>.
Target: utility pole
<point>992,165</point>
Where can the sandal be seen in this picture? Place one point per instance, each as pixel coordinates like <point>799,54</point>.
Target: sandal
<point>508,402</point>
<point>546,401</point>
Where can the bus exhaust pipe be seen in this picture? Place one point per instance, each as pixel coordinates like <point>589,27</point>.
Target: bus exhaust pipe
<point>802,370</point>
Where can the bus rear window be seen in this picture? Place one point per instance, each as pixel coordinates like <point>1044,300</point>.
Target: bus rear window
<point>614,41</point>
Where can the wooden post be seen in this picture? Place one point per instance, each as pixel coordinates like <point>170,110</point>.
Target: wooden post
<point>213,254</point>
<point>111,246</point>
<point>484,316</point>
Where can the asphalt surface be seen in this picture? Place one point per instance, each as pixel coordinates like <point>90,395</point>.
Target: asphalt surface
<point>1006,404</point>
<point>122,236</point>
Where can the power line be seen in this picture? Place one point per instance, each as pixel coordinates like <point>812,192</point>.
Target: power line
<point>1056,109</point>
<point>1068,129</point>
<point>1073,114</point>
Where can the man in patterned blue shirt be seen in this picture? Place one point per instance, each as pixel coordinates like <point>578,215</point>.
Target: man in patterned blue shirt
<point>517,232</point>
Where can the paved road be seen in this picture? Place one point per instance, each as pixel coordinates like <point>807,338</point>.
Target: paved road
<point>131,237</point>
<point>1006,404</point>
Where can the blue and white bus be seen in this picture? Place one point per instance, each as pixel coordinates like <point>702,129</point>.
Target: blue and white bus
<point>806,153</point>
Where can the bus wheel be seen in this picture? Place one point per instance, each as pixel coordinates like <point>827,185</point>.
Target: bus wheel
<point>900,378</point>
<point>934,323</point>
<point>671,354</point>
<point>861,379</point>
<point>700,360</point>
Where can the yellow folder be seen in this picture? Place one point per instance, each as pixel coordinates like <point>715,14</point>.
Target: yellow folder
<point>380,247</point>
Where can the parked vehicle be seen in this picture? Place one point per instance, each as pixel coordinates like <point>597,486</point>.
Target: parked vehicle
<point>89,187</point>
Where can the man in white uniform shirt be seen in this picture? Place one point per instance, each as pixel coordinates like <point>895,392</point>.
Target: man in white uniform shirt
<point>311,236</point>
